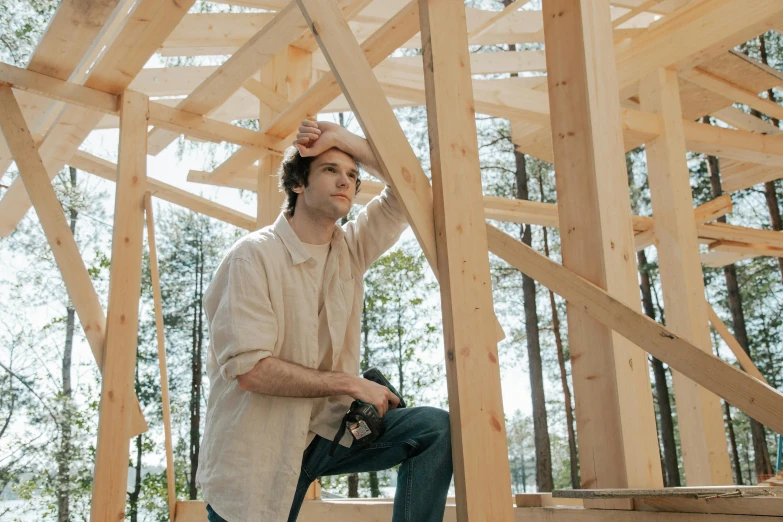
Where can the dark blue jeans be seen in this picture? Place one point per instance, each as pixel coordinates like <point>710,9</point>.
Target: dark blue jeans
<point>417,438</point>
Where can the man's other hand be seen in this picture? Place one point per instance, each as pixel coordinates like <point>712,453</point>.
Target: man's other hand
<point>378,395</point>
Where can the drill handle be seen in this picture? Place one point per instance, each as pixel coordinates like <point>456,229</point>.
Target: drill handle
<point>374,375</point>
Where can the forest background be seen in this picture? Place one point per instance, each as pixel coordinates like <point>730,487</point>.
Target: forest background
<point>49,385</point>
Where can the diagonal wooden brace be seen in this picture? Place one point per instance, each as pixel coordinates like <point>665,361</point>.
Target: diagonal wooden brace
<point>58,234</point>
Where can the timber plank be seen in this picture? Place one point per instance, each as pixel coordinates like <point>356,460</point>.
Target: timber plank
<point>755,398</point>
<point>58,234</point>
<point>479,445</point>
<point>122,322</point>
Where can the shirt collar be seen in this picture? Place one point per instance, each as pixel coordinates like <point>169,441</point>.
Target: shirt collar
<point>299,253</point>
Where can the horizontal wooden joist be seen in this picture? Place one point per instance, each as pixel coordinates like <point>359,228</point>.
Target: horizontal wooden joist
<point>171,118</point>
<point>107,170</point>
<point>532,106</point>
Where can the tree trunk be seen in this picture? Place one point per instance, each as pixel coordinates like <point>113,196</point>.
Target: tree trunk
<point>733,443</point>
<point>64,457</point>
<point>769,186</point>
<point>353,485</point>
<point>375,490</point>
<point>196,365</point>
<point>133,496</point>
<point>540,428</point>
<point>375,486</point>
<point>763,464</point>
<point>671,468</point>
<point>569,411</point>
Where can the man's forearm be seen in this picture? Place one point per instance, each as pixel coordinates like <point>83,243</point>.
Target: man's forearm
<point>360,149</point>
<point>273,376</point>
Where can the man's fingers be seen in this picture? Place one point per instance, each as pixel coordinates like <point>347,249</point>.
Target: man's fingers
<point>394,400</point>
<point>309,128</point>
<point>309,123</point>
<point>309,135</point>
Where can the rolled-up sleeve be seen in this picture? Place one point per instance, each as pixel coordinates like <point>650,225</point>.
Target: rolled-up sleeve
<point>242,324</point>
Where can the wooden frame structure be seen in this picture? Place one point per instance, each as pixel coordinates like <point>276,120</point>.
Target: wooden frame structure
<point>669,60</point>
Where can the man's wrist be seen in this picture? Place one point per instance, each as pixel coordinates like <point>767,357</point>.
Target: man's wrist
<point>343,384</point>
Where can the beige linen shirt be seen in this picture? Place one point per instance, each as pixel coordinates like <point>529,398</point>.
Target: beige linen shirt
<point>263,302</point>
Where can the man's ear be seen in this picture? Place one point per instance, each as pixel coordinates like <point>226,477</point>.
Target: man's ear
<point>298,189</point>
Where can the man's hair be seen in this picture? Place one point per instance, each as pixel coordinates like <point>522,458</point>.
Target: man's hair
<point>295,171</point>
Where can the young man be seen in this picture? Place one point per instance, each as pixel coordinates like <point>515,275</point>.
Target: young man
<point>284,314</point>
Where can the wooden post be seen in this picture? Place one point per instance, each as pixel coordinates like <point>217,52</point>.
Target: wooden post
<point>478,434</point>
<point>111,460</point>
<point>58,234</point>
<point>164,376</point>
<point>699,413</point>
<point>288,75</point>
<point>618,446</point>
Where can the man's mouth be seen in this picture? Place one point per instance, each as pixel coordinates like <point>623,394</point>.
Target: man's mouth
<point>341,196</point>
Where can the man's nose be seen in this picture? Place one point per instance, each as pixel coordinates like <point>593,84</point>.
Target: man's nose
<point>344,180</point>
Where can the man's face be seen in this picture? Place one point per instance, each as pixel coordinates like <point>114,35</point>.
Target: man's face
<point>331,185</point>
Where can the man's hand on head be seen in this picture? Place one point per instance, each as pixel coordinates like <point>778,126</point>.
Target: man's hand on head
<point>315,137</point>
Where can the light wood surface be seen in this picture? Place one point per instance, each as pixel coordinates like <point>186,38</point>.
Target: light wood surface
<point>699,412</point>
<point>159,333</point>
<point>755,398</point>
<point>122,322</point>
<point>618,446</point>
<point>58,234</point>
<point>479,445</point>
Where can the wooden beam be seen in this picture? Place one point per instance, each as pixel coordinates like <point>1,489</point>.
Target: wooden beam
<point>376,48</point>
<point>733,92</point>
<point>275,36</point>
<point>634,12</point>
<point>766,507</point>
<point>618,446</point>
<point>514,6</point>
<point>726,232</point>
<point>745,121</point>
<point>178,120</point>
<point>108,171</point>
<point>64,248</point>
<point>164,376</point>
<point>690,36</point>
<point>755,398</point>
<point>287,27</point>
<point>355,510</point>
<point>754,249</point>
<point>478,435</point>
<point>700,416</point>
<point>57,89</point>
<point>743,358</point>
<point>528,500</point>
<point>289,77</point>
<point>196,125</point>
<point>122,324</point>
<point>148,25</point>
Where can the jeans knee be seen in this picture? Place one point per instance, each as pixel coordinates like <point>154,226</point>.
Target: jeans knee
<point>439,421</point>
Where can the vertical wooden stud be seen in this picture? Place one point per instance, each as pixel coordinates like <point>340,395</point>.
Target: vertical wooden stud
<point>288,75</point>
<point>111,460</point>
<point>699,413</point>
<point>58,234</point>
<point>618,446</point>
<point>479,445</point>
<point>164,375</point>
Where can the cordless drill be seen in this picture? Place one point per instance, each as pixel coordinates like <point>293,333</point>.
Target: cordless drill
<point>362,419</point>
